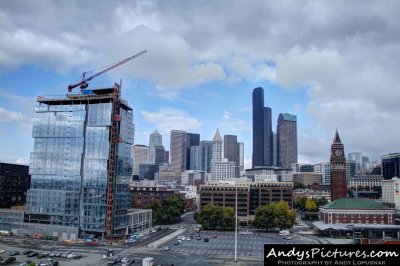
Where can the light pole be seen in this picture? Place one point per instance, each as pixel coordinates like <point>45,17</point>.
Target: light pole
<point>236,221</point>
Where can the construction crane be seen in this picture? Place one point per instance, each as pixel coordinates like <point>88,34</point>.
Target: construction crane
<point>84,83</point>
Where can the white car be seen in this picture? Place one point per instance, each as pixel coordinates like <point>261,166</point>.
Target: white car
<point>183,238</point>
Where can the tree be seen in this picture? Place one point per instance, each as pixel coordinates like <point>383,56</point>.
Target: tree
<point>284,217</point>
<point>377,170</point>
<point>297,185</point>
<point>274,215</point>
<point>156,208</point>
<point>321,202</point>
<point>311,205</point>
<point>228,218</point>
<point>206,215</point>
<point>264,217</point>
<point>301,203</point>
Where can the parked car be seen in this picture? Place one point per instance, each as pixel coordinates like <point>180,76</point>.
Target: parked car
<point>8,260</point>
<point>44,254</point>
<point>215,236</point>
<point>14,253</point>
<point>74,256</point>
<point>176,243</point>
<point>206,239</point>
<point>26,252</point>
<point>65,254</point>
<point>55,254</point>
<point>167,248</point>
<point>27,263</point>
<point>33,254</point>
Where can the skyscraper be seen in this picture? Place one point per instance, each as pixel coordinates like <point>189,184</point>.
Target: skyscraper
<point>155,139</point>
<point>338,169</point>
<point>262,131</point>
<point>193,139</point>
<point>177,151</point>
<point>159,155</point>
<point>241,156</point>
<point>391,165</point>
<point>81,163</point>
<point>139,156</point>
<point>286,131</point>
<point>231,151</point>
<point>221,168</point>
<point>206,155</point>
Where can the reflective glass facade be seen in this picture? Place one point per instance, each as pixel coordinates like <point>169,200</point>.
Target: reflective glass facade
<point>69,163</point>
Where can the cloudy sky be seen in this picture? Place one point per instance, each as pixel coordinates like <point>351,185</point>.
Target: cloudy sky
<point>334,64</point>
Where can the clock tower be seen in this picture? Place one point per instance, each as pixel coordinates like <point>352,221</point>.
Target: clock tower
<point>338,169</point>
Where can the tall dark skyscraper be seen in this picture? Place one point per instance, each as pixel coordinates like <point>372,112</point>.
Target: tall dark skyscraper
<point>231,147</point>
<point>390,165</point>
<point>286,131</point>
<point>193,139</point>
<point>262,131</point>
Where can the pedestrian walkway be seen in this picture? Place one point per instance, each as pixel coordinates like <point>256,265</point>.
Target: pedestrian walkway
<point>165,239</point>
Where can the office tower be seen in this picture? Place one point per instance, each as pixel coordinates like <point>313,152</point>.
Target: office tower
<point>325,170</point>
<point>206,155</point>
<point>391,165</point>
<point>262,131</point>
<point>155,139</point>
<point>286,131</point>
<point>166,157</point>
<point>195,158</point>
<point>274,149</point>
<point>159,155</point>
<point>221,169</point>
<point>177,151</point>
<point>364,163</point>
<point>350,170</point>
<point>139,156</point>
<point>338,169</point>
<point>14,182</point>
<point>217,148</point>
<point>241,156</point>
<point>231,151</point>
<point>81,163</point>
<point>355,156</point>
<point>192,140</point>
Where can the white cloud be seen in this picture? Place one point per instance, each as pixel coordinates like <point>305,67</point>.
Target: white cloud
<point>345,54</point>
<point>10,116</point>
<point>232,124</point>
<point>167,119</point>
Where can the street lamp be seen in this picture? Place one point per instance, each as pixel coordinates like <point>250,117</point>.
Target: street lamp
<point>236,221</point>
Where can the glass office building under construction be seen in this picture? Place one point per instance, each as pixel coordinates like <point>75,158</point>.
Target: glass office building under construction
<point>81,163</point>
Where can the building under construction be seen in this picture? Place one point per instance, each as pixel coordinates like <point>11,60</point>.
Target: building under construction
<point>81,165</point>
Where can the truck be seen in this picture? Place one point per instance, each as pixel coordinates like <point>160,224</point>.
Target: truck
<point>148,261</point>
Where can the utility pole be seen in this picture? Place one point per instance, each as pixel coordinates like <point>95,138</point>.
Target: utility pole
<point>236,222</point>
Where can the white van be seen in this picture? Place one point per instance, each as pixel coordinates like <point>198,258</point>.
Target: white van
<point>284,233</point>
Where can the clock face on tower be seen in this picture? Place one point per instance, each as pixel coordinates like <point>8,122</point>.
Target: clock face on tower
<point>338,153</point>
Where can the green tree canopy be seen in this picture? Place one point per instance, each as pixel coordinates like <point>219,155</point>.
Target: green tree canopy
<point>274,215</point>
<point>216,217</point>
<point>311,205</point>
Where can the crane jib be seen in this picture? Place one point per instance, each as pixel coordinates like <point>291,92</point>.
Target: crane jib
<point>84,83</point>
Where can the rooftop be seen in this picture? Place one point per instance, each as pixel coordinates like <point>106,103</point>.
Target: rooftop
<point>354,203</point>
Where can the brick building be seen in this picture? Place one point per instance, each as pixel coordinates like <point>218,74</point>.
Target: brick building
<point>250,195</point>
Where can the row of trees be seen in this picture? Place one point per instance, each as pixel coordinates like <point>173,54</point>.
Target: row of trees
<point>214,217</point>
<point>270,216</point>
<point>170,212</point>
<point>310,204</point>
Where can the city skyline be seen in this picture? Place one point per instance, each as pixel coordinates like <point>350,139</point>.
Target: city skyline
<point>328,66</point>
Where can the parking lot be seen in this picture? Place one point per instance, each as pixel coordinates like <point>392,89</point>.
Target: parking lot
<point>223,244</point>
